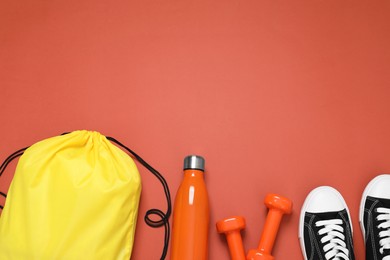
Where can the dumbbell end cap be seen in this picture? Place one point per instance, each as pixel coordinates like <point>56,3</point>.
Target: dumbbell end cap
<point>281,203</point>
<point>230,224</point>
<point>256,254</point>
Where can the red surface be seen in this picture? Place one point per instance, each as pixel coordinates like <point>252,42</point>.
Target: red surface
<point>278,96</point>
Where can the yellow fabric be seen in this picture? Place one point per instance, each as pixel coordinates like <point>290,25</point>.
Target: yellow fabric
<point>73,197</point>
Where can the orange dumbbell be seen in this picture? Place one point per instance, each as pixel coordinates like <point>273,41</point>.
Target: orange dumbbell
<point>231,228</point>
<point>278,206</point>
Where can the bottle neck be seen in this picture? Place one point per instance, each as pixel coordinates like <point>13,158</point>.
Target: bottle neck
<point>193,173</point>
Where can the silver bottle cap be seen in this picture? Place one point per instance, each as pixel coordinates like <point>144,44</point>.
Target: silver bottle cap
<point>194,162</point>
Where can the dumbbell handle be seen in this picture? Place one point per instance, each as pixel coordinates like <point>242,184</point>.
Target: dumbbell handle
<point>236,248</point>
<point>270,230</point>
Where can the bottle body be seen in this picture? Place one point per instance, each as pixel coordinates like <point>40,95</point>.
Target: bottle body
<point>191,218</point>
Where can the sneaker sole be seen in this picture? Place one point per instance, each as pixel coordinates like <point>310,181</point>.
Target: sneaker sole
<point>303,210</point>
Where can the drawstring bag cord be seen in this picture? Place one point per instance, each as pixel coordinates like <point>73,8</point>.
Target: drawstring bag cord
<point>5,164</point>
<point>164,217</point>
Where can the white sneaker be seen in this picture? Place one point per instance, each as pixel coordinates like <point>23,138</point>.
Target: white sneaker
<point>325,229</point>
<point>374,218</point>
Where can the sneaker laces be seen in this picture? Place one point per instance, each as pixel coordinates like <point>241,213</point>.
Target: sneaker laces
<point>335,248</point>
<point>384,236</point>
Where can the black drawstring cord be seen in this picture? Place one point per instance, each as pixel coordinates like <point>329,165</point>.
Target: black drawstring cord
<point>5,164</point>
<point>5,196</point>
<point>10,158</point>
<point>164,221</point>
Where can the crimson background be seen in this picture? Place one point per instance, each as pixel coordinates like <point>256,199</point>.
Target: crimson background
<point>278,96</point>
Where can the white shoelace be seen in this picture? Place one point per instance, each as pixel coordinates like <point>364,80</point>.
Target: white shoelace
<point>334,246</point>
<point>384,242</point>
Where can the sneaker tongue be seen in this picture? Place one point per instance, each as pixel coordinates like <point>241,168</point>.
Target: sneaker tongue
<point>385,203</point>
<point>328,215</point>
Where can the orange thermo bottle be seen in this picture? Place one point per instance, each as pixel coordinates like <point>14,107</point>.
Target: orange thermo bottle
<point>191,213</point>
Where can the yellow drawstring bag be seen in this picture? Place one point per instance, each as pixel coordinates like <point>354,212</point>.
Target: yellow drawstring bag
<point>74,197</point>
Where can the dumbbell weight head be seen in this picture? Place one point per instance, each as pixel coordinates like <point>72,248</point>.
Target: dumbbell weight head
<point>274,201</point>
<point>230,224</point>
<point>255,254</point>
